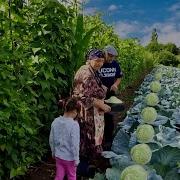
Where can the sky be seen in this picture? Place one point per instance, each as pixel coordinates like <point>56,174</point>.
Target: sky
<point>137,18</point>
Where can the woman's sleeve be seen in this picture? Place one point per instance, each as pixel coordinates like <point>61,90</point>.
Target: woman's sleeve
<point>86,87</point>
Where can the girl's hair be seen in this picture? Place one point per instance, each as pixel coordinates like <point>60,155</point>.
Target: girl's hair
<point>69,104</point>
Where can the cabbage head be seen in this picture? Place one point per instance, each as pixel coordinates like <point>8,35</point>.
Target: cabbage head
<point>141,154</point>
<point>145,133</point>
<point>134,172</point>
<point>149,115</point>
<point>158,76</point>
<point>155,86</point>
<point>152,99</point>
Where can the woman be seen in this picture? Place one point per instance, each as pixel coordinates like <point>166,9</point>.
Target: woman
<point>110,74</point>
<point>90,90</point>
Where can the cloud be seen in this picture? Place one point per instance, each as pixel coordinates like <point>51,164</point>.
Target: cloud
<point>113,7</point>
<point>175,10</point>
<point>175,17</point>
<point>123,29</point>
<point>175,7</point>
<point>167,31</point>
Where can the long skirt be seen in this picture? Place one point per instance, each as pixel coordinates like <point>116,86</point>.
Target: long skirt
<point>91,123</point>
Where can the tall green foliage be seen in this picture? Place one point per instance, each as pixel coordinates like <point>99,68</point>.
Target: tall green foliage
<point>19,127</point>
<point>104,33</point>
<point>154,46</point>
<point>35,51</point>
<point>167,58</point>
<point>52,39</point>
<point>172,48</point>
<point>81,42</point>
<point>164,53</point>
<point>131,57</point>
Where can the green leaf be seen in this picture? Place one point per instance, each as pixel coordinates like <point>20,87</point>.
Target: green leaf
<point>153,176</point>
<point>35,59</point>
<point>22,142</point>
<point>172,175</point>
<point>30,130</point>
<point>45,32</point>
<point>168,136</point>
<point>48,74</point>
<point>5,102</point>
<point>165,159</point>
<point>16,172</point>
<point>98,176</point>
<point>82,46</point>
<point>87,37</point>
<point>14,157</point>
<point>60,69</point>
<point>2,8</point>
<point>35,50</point>
<point>32,92</point>
<point>2,147</point>
<point>113,174</point>
<point>44,85</point>
<point>79,28</point>
<point>13,173</point>
<point>21,132</point>
<point>9,148</point>
<point>121,143</point>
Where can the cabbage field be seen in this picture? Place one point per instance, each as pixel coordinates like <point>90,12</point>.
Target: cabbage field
<point>147,144</point>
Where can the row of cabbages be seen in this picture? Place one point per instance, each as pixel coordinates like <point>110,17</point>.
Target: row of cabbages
<point>147,145</point>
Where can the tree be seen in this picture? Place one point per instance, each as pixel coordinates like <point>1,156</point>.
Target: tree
<point>154,46</point>
<point>154,36</point>
<point>167,58</point>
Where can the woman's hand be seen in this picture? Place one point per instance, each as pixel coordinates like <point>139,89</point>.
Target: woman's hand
<point>100,105</point>
<point>106,108</point>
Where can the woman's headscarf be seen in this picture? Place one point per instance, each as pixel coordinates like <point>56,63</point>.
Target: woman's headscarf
<point>94,54</point>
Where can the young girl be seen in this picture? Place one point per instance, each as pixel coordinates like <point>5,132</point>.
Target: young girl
<point>64,141</point>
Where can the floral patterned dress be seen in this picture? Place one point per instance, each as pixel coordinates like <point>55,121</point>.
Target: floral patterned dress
<point>87,86</point>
